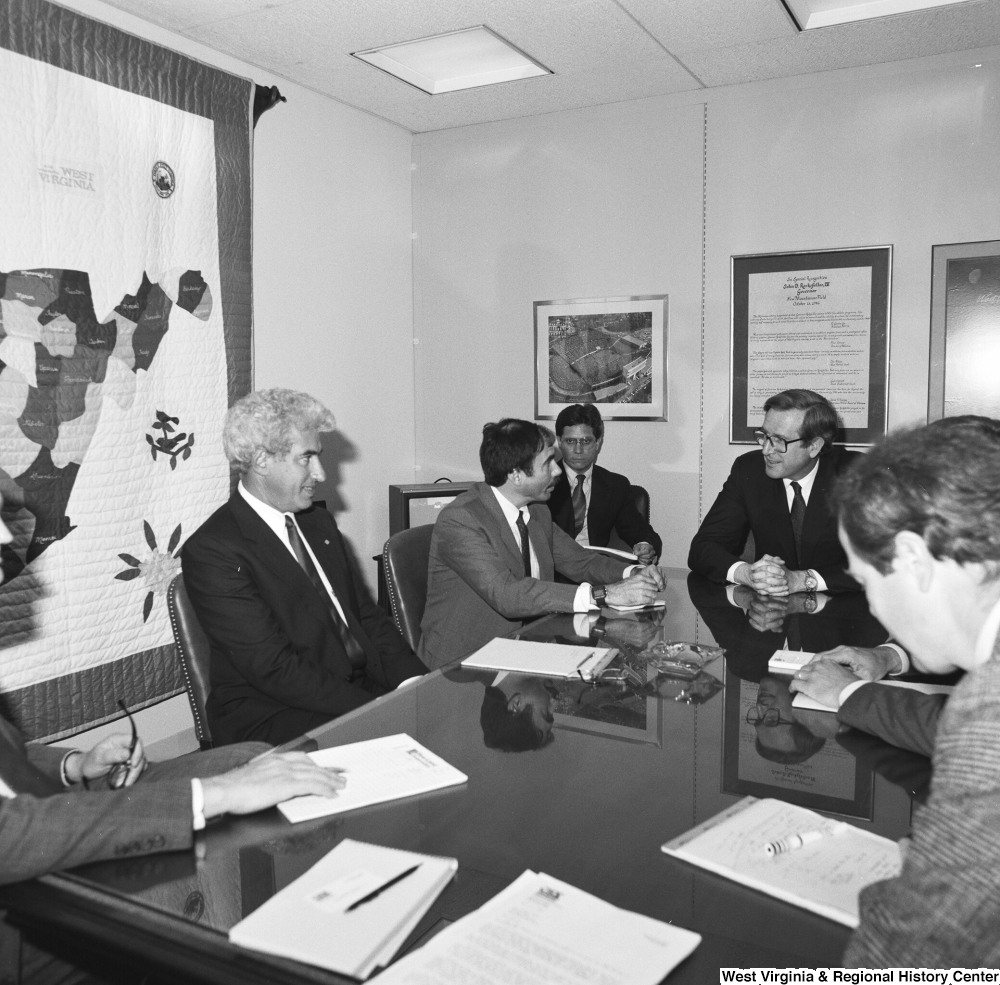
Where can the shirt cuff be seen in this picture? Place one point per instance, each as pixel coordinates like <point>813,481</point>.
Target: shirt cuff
<point>731,573</point>
<point>848,691</point>
<point>66,782</point>
<point>581,601</point>
<point>632,567</point>
<point>904,659</point>
<point>583,623</point>
<point>197,805</point>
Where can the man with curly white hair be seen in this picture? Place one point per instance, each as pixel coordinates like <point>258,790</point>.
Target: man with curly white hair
<point>294,642</point>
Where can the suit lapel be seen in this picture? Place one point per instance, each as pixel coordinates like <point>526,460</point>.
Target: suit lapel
<point>780,507</point>
<point>543,549</point>
<point>330,557</point>
<point>277,558</point>
<point>596,507</point>
<point>560,504</point>
<point>489,501</point>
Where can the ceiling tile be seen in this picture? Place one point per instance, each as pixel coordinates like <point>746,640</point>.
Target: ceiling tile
<point>179,15</point>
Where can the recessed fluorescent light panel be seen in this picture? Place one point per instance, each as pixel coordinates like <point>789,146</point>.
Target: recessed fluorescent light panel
<point>458,60</point>
<point>826,13</point>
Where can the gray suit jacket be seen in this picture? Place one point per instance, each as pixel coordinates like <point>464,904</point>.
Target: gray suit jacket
<point>943,910</point>
<point>902,717</point>
<point>476,588</point>
<point>40,833</point>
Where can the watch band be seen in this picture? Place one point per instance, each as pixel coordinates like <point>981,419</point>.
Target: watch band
<point>598,593</point>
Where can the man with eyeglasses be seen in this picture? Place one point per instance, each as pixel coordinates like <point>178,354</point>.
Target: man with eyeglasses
<point>781,496</point>
<point>588,501</point>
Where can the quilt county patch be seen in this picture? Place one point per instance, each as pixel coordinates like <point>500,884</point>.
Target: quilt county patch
<point>57,364</point>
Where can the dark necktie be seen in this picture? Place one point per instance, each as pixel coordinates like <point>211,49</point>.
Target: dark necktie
<point>579,506</point>
<point>522,529</point>
<point>15,770</point>
<point>798,518</point>
<point>351,646</point>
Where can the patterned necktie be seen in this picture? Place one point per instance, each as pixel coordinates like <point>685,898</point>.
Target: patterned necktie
<point>579,506</point>
<point>798,518</point>
<point>351,646</point>
<point>522,529</point>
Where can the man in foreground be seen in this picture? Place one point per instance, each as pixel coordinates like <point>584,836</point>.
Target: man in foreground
<point>920,522</point>
<point>50,821</point>
<point>781,496</point>
<point>295,643</point>
<point>588,501</point>
<point>495,551</point>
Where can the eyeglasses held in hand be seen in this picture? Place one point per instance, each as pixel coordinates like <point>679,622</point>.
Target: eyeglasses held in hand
<point>779,444</point>
<point>118,774</point>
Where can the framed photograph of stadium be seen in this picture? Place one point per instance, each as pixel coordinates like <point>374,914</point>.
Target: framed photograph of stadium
<point>812,321</point>
<point>606,351</point>
<point>965,330</point>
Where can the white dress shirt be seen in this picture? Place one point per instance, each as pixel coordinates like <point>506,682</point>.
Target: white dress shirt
<point>805,484</point>
<point>581,601</point>
<point>583,537</point>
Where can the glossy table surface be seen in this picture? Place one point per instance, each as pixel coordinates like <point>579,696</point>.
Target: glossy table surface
<point>626,766</point>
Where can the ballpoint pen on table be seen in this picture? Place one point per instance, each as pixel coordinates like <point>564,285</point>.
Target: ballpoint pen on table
<point>381,889</point>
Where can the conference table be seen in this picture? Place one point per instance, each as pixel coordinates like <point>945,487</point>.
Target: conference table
<point>624,767</point>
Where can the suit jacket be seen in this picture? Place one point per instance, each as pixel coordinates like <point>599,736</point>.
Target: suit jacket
<point>274,644</point>
<point>902,717</point>
<point>476,588</point>
<point>47,827</point>
<point>751,501</point>
<point>943,910</point>
<point>611,507</point>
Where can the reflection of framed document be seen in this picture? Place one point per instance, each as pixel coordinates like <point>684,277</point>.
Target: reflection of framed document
<point>787,760</point>
<point>606,351</point>
<point>813,321</point>
<point>965,330</point>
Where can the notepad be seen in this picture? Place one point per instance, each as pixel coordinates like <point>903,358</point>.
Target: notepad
<point>789,661</point>
<point>309,919</point>
<point>541,930</point>
<point>825,876</point>
<point>377,770</point>
<point>810,704</point>
<point>541,659</point>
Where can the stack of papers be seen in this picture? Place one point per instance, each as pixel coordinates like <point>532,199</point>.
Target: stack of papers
<point>541,659</point>
<point>377,770</point>
<point>789,661</point>
<point>810,704</point>
<point>824,871</point>
<point>335,916</point>
<point>540,930</point>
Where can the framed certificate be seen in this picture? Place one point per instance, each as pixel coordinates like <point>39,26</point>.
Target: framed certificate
<point>813,321</point>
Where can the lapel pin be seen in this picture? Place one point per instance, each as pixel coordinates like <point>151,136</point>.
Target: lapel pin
<point>326,542</point>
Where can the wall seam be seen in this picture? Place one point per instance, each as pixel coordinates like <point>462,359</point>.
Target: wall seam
<point>414,341</point>
<point>701,402</point>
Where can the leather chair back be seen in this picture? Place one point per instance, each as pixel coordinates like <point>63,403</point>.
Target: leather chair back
<point>194,650</point>
<point>641,499</point>
<point>404,558</point>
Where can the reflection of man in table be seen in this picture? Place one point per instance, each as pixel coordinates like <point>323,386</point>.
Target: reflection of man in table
<point>920,521</point>
<point>781,736</point>
<point>517,713</point>
<point>588,501</point>
<point>781,496</point>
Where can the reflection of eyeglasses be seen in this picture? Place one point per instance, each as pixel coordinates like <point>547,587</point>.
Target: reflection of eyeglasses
<point>116,778</point>
<point>770,718</point>
<point>578,442</point>
<point>779,444</point>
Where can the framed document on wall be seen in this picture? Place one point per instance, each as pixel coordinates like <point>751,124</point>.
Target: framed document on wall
<point>813,321</point>
<point>965,330</point>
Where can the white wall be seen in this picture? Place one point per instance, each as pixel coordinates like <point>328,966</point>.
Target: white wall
<point>623,199</point>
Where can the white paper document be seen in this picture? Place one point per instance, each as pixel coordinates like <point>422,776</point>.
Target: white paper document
<point>541,659</point>
<point>809,704</point>
<point>310,919</point>
<point>376,770</point>
<point>541,931</point>
<point>825,875</point>
<point>789,661</point>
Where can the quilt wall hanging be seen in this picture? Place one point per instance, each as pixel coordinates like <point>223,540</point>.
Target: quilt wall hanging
<point>125,332</point>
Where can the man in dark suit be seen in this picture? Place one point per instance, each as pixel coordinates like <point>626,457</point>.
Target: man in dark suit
<point>60,809</point>
<point>588,501</point>
<point>495,551</point>
<point>781,496</point>
<point>294,641</point>
<point>920,522</point>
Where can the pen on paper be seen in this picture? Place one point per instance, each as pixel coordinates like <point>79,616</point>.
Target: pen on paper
<point>381,889</point>
<point>794,842</point>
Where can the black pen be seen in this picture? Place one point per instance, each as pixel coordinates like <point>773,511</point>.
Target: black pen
<point>381,889</point>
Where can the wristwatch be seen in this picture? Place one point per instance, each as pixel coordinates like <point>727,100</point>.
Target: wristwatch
<point>598,593</point>
<point>811,582</point>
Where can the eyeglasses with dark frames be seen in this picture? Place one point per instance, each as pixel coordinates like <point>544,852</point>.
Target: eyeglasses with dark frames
<point>779,444</point>
<point>770,717</point>
<point>116,778</point>
<point>578,442</point>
